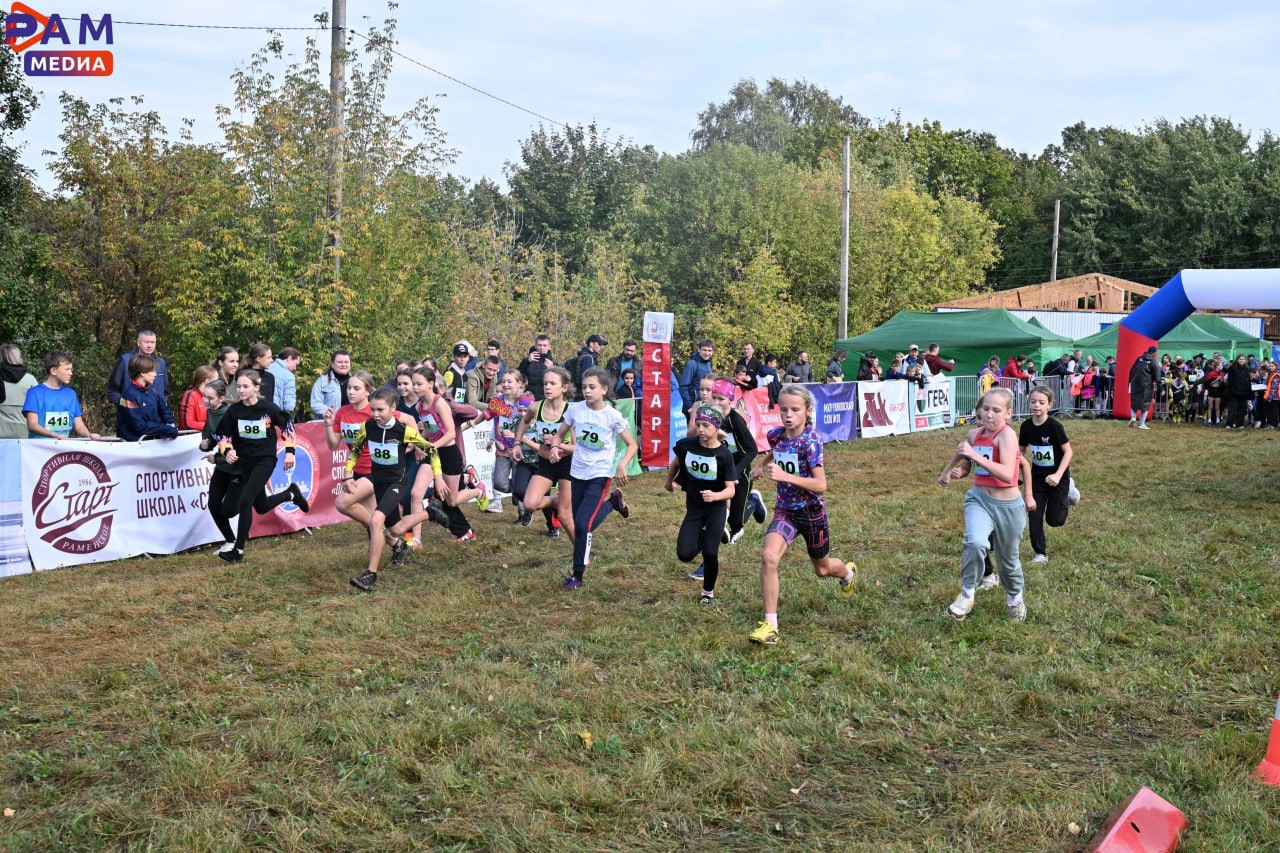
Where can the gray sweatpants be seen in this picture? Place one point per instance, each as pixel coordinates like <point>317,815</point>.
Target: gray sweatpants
<point>995,525</point>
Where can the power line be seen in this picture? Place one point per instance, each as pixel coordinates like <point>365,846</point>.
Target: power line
<point>403,56</point>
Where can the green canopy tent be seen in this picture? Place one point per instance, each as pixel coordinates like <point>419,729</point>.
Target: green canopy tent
<point>969,337</point>
<point>1199,333</point>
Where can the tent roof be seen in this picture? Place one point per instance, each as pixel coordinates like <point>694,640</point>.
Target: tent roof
<point>994,328</point>
<point>1198,333</point>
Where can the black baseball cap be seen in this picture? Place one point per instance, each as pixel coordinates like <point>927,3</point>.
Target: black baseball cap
<point>597,339</point>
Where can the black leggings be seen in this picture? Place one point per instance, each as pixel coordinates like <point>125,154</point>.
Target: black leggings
<point>1052,507</point>
<point>521,474</point>
<point>700,534</point>
<point>738,503</point>
<point>451,463</point>
<point>219,484</point>
<point>243,495</point>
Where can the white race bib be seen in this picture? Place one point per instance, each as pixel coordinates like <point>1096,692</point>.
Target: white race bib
<point>700,467</point>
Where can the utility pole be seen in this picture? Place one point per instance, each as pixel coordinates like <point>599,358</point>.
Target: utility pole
<point>337,133</point>
<point>844,248</point>
<point>1057,209</point>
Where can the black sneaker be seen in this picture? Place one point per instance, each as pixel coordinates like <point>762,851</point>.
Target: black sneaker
<point>524,518</point>
<point>435,511</point>
<point>618,506</point>
<point>553,532</point>
<point>235,555</point>
<point>299,501</point>
<point>365,582</point>
<point>399,552</point>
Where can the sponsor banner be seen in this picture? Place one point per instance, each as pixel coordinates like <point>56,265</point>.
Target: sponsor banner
<point>883,408</point>
<point>13,546</point>
<point>317,470</point>
<point>679,428</point>
<point>836,404</point>
<point>479,452</point>
<point>656,425</point>
<point>627,408</point>
<point>754,406</point>
<point>935,406</point>
<point>90,502</point>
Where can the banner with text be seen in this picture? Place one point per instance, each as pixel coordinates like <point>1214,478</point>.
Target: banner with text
<point>836,405</point>
<point>883,408</point>
<point>935,406</point>
<point>13,546</point>
<point>655,418</point>
<point>317,470</point>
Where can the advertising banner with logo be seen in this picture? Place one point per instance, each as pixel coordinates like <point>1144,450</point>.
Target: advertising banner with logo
<point>627,408</point>
<point>935,405</point>
<point>883,408</point>
<point>836,405</point>
<point>92,502</point>
<point>317,470</point>
<point>656,423</point>
<point>13,546</point>
<point>754,406</point>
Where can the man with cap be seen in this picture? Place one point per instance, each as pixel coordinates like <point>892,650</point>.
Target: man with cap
<point>1143,377</point>
<point>915,358</point>
<point>455,375</point>
<point>589,356</point>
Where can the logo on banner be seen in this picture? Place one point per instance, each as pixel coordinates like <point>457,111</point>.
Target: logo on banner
<point>25,27</point>
<point>303,469</point>
<point>875,414</point>
<point>71,503</point>
<point>658,327</point>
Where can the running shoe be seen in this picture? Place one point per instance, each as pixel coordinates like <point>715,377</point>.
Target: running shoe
<point>765,634</point>
<point>553,532</point>
<point>399,552</point>
<point>524,518</point>
<point>298,499</point>
<point>724,536</point>
<point>705,600</point>
<point>960,608</point>
<point>758,511</point>
<point>618,506</point>
<point>1073,493</point>
<point>990,581</point>
<point>227,546</point>
<point>469,536</point>
<point>698,573</point>
<point>483,501</point>
<point>1040,558</point>
<point>572,583</point>
<point>435,511</point>
<point>471,477</point>
<point>849,587</point>
<point>495,505</point>
<point>235,555</point>
<point>733,539</point>
<point>365,581</point>
<point>1018,612</point>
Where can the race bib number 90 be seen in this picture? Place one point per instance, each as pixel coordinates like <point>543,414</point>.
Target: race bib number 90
<point>787,460</point>
<point>700,467</point>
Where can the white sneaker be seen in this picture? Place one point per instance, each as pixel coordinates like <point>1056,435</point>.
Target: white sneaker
<point>733,540</point>
<point>960,608</point>
<point>495,505</point>
<point>227,547</point>
<point>1073,494</point>
<point>1039,558</point>
<point>1018,612</point>
<point>1143,426</point>
<point>990,581</point>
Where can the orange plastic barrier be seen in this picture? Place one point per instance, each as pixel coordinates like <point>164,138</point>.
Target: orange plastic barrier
<point>1269,770</point>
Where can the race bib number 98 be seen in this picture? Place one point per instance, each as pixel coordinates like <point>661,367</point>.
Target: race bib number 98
<point>253,429</point>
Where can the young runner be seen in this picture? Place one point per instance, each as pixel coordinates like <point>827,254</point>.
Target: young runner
<point>704,468</point>
<point>994,511</point>
<point>538,426</point>
<point>385,439</point>
<point>742,443</point>
<point>794,462</point>
<point>216,404</point>
<point>355,497</point>
<point>596,427</point>
<point>437,425</point>
<point>247,435</point>
<point>506,411</point>
<point>1052,487</point>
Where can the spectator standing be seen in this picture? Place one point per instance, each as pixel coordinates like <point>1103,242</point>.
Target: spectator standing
<point>482,383</point>
<point>330,391</point>
<point>937,365</point>
<point>227,365</point>
<point>535,364</point>
<point>751,363</point>
<point>1143,377</point>
<point>192,413</point>
<point>588,357</point>
<point>628,359</point>
<point>146,345</point>
<point>52,408</point>
<point>1239,390</point>
<point>868,368</point>
<point>835,367</point>
<point>494,349</point>
<point>1013,368</point>
<point>698,366</point>
<point>799,370</point>
<point>15,382</point>
<point>915,360</point>
<point>282,370</point>
<point>455,375</point>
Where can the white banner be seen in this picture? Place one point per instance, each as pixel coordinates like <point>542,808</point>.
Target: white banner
<point>478,450</point>
<point>935,405</point>
<point>90,502</point>
<point>883,408</point>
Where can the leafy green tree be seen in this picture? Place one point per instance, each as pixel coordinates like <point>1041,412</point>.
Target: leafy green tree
<point>768,121</point>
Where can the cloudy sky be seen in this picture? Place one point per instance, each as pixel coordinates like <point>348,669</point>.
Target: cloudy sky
<point>1020,70</point>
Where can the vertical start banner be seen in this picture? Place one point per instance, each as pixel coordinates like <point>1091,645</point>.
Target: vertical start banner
<point>655,445</point>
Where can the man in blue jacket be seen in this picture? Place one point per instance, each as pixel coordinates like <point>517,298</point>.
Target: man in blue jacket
<point>698,366</point>
<point>120,373</point>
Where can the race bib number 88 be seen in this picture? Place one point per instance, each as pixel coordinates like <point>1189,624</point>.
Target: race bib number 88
<point>384,453</point>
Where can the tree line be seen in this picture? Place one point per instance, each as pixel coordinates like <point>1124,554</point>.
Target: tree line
<point>229,243</point>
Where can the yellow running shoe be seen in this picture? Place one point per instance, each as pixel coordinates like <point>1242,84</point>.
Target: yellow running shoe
<point>849,588</point>
<point>765,634</point>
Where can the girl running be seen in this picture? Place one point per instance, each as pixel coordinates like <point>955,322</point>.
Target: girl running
<point>247,435</point>
<point>436,423</point>
<point>355,497</point>
<point>742,444</point>
<point>994,512</point>
<point>506,411</point>
<point>794,462</point>
<point>537,428</point>
<point>704,468</point>
<point>596,427</point>
<point>1052,488</point>
<point>215,402</point>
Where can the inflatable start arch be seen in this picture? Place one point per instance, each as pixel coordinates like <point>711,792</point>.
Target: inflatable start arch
<point>1185,293</point>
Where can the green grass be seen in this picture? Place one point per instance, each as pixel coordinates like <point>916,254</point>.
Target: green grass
<point>182,703</point>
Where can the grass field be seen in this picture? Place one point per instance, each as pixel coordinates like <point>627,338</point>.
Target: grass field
<point>185,704</point>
